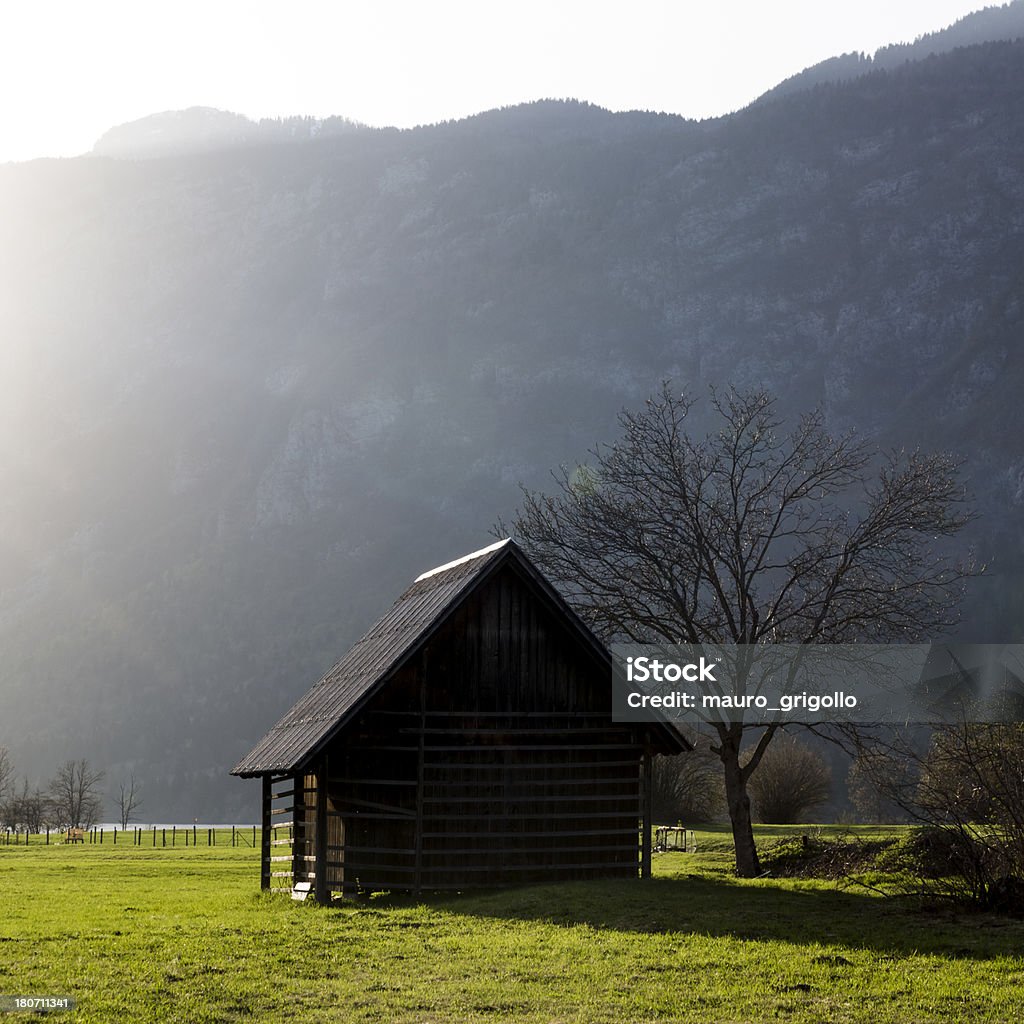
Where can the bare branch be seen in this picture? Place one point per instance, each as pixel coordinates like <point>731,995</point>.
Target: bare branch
<point>750,534</point>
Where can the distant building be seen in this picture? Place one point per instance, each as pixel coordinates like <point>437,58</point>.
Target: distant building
<point>466,740</point>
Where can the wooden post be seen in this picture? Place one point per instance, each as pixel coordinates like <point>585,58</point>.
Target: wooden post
<point>299,833</point>
<point>323,890</point>
<point>647,790</point>
<point>265,845</point>
<point>420,758</point>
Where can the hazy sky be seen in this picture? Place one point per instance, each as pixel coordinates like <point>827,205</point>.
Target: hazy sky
<point>69,69</point>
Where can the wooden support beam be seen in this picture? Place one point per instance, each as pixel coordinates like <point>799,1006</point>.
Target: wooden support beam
<point>322,892</point>
<point>265,835</point>
<point>300,829</point>
<point>420,774</point>
<point>646,818</point>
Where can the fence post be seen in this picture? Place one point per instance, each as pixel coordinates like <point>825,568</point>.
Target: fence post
<point>163,834</point>
<point>47,835</point>
<point>254,837</point>
<point>232,837</point>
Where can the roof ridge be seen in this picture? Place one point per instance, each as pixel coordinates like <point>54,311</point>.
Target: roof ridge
<point>465,558</point>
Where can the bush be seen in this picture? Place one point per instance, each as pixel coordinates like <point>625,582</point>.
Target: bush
<point>790,782</point>
<point>967,789</point>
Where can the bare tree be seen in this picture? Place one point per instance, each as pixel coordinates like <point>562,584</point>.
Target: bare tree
<point>27,809</point>
<point>749,536</point>
<point>868,797</point>
<point>74,794</point>
<point>6,772</point>
<point>8,816</point>
<point>791,781</point>
<point>688,787</point>
<point>129,800</point>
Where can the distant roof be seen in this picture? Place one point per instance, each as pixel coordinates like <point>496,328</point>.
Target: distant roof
<point>413,618</point>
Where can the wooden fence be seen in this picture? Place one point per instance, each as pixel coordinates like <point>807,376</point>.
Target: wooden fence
<point>177,835</point>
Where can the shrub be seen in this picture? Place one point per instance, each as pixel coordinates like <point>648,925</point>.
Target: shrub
<point>791,781</point>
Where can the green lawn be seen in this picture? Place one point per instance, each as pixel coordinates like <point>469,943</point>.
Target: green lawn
<point>141,934</point>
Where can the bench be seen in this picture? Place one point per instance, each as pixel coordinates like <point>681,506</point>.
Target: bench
<point>75,835</point>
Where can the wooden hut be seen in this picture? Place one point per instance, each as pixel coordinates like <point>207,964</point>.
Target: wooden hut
<point>465,740</point>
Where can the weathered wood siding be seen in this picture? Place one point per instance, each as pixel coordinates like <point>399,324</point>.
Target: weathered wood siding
<point>490,759</point>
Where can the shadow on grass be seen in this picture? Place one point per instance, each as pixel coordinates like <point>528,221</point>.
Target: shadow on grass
<point>762,910</point>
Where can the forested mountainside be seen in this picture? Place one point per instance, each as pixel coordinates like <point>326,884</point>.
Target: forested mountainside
<point>251,392</point>
<point>1001,22</point>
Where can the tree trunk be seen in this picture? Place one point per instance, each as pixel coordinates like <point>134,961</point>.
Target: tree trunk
<point>747,863</point>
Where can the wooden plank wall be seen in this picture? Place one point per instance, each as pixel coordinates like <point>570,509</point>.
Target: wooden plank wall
<point>492,759</point>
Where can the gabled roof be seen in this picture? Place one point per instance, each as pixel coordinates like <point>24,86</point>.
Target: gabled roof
<point>385,647</point>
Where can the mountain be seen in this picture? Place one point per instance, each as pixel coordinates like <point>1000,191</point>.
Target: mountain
<point>252,390</point>
<point>990,24</point>
<point>200,129</point>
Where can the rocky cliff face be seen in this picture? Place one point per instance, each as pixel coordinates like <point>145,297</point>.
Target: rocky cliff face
<point>251,392</point>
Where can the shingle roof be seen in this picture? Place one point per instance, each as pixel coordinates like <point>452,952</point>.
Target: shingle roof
<point>395,637</point>
<point>373,657</point>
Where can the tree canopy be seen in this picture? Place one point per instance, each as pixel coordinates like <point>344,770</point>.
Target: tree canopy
<point>749,534</point>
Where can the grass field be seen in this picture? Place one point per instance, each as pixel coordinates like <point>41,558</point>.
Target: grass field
<point>141,934</point>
